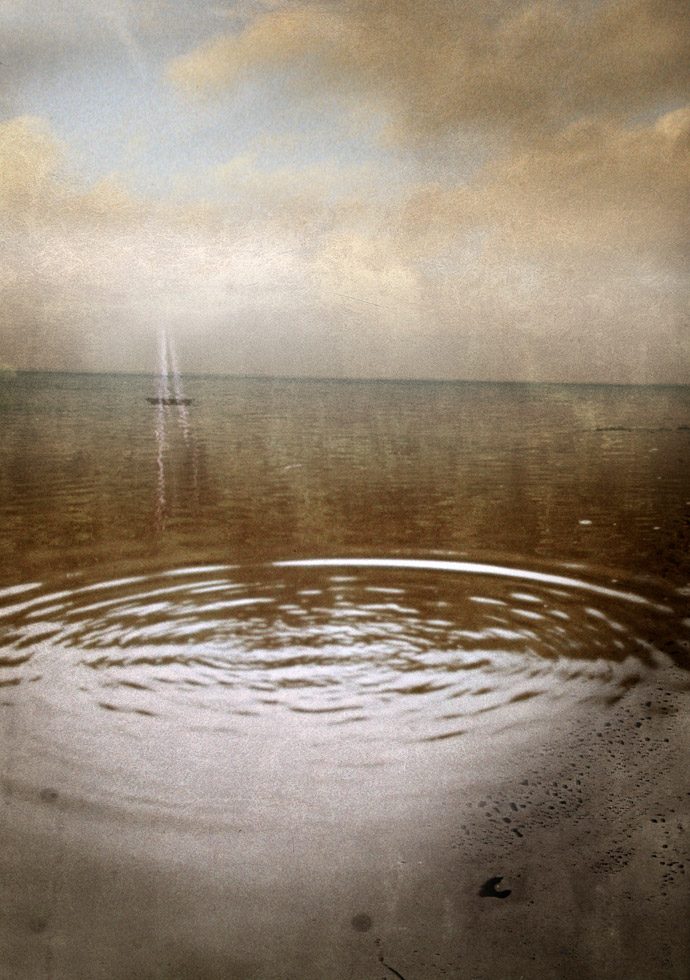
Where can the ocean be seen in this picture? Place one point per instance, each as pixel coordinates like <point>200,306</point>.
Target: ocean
<point>343,679</point>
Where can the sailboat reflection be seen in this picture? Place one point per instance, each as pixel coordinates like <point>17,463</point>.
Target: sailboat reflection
<point>169,376</point>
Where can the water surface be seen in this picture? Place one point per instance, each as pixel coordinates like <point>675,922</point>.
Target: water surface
<point>304,616</point>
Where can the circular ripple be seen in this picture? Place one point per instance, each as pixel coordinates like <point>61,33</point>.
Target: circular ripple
<point>433,646</point>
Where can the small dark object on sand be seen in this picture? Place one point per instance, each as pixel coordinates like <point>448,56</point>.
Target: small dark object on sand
<point>489,890</point>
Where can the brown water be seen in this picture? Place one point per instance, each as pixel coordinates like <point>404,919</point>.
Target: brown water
<point>272,664</point>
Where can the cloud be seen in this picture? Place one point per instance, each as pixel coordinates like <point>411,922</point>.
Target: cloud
<point>30,158</point>
<point>80,261</point>
<point>567,258</point>
<point>247,180</point>
<point>578,218</point>
<point>561,260</point>
<point>91,271</point>
<point>595,185</point>
<point>272,41</point>
<point>436,67</point>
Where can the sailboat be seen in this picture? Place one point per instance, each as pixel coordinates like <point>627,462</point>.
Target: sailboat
<point>170,400</point>
<point>167,354</point>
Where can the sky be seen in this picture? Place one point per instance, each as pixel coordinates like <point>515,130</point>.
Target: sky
<point>347,188</point>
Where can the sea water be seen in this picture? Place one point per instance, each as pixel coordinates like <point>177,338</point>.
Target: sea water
<point>287,675</point>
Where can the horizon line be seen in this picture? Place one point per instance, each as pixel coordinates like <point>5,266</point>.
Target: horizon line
<point>349,379</point>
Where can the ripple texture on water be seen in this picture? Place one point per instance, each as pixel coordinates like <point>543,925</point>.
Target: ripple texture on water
<point>432,646</point>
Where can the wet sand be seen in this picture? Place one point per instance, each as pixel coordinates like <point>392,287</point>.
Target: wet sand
<point>584,818</point>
